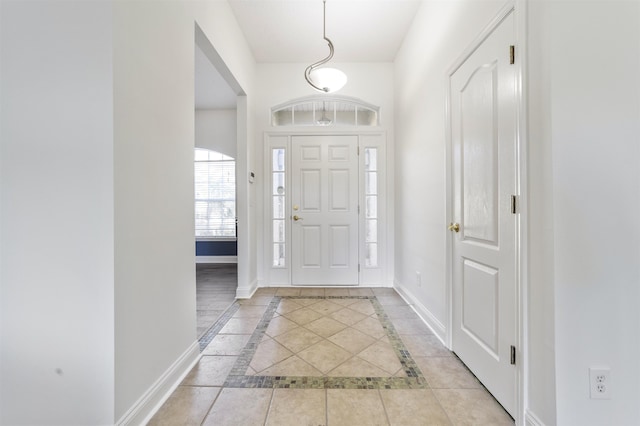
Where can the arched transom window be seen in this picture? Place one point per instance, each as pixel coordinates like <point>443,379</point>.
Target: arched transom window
<point>325,111</point>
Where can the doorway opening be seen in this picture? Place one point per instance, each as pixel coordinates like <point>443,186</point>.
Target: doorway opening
<point>218,114</point>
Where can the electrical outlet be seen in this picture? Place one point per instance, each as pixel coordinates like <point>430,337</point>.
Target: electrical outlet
<point>418,279</point>
<point>600,382</point>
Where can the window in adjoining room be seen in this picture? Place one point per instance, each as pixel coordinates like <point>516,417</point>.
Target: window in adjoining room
<point>215,194</point>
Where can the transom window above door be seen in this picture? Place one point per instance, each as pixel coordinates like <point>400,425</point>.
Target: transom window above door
<point>325,111</point>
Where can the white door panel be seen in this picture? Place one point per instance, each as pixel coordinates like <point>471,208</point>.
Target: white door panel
<point>325,203</point>
<point>483,136</point>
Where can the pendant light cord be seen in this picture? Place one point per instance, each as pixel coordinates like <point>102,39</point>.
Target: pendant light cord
<point>324,19</point>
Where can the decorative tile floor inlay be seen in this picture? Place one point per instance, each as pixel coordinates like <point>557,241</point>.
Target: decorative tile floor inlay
<point>322,342</point>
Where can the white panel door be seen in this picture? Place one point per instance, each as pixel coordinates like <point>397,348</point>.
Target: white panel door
<point>483,130</point>
<point>324,202</point>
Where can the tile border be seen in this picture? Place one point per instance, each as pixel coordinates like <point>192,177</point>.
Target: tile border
<point>238,378</point>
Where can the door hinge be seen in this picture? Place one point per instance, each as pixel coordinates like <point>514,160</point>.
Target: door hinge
<point>513,355</point>
<point>358,208</point>
<point>512,54</point>
<point>358,150</point>
<point>358,267</point>
<point>514,204</point>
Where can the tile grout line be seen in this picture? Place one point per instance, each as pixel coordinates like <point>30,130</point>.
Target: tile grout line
<point>446,413</point>
<point>266,417</point>
<point>326,407</point>
<point>384,407</point>
<point>211,406</point>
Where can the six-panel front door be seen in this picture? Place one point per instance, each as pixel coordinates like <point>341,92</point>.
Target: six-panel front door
<point>483,130</point>
<point>324,216</point>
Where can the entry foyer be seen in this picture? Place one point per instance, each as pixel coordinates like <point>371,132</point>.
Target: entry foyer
<point>98,306</point>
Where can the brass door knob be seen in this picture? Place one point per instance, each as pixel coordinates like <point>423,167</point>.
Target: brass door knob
<point>297,218</point>
<point>454,227</point>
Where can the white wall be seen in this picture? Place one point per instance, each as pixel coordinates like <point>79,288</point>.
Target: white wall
<point>97,262</point>
<point>439,34</point>
<point>56,304</point>
<point>216,130</point>
<point>153,130</point>
<point>154,140</point>
<point>541,306</point>
<point>584,192</point>
<point>281,82</point>
<point>594,122</point>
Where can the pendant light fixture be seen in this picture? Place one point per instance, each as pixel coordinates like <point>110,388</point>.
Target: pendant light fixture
<point>323,79</point>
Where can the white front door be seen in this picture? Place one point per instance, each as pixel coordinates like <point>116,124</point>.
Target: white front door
<point>324,203</point>
<point>483,135</point>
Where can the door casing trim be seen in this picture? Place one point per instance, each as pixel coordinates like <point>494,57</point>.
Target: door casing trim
<point>384,232</point>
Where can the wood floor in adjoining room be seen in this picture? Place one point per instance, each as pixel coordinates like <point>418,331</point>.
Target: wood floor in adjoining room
<point>327,356</point>
<point>216,285</point>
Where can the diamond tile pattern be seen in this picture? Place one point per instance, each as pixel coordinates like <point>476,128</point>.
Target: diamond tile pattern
<point>298,339</point>
<point>335,340</point>
<point>352,340</point>
<point>348,316</point>
<point>303,316</point>
<point>325,327</point>
<point>325,356</point>
<point>269,353</point>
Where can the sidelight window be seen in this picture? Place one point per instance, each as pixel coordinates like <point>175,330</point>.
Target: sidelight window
<point>278,193</point>
<point>371,206</point>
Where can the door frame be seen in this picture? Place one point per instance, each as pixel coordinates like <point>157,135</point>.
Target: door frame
<point>518,8</point>
<point>370,277</point>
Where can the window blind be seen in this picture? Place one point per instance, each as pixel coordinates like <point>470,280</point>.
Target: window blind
<point>215,194</point>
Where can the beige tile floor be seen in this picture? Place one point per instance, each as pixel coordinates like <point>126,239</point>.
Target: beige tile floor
<point>311,337</point>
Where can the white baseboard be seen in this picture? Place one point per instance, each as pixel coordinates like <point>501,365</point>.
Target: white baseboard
<point>377,285</point>
<point>266,284</point>
<point>247,292</point>
<point>531,419</point>
<point>216,259</point>
<point>151,401</point>
<point>432,322</point>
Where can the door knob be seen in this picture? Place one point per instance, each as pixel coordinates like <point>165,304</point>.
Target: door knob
<point>297,218</point>
<point>454,227</point>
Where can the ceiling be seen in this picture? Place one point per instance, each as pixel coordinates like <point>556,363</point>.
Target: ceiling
<point>291,31</point>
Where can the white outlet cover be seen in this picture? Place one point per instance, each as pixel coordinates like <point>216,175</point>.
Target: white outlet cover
<point>600,383</point>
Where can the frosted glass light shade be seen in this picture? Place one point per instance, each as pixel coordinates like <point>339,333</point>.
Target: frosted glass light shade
<point>329,79</point>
